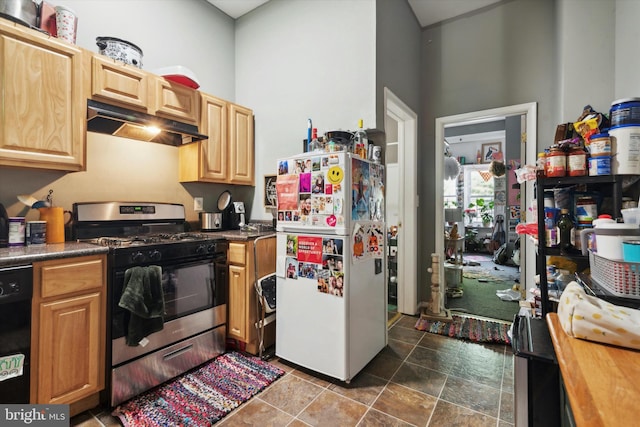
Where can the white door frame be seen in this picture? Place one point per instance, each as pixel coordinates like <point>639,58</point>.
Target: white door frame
<point>407,200</point>
<point>530,141</point>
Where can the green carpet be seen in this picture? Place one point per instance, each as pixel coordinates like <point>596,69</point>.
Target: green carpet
<point>479,285</point>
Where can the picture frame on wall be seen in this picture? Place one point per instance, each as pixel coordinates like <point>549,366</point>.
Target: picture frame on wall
<point>490,151</point>
<point>270,195</point>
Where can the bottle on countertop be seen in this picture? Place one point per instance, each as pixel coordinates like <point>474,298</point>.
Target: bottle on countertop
<point>361,141</point>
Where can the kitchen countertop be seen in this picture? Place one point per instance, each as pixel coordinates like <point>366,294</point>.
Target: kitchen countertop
<point>22,255</point>
<point>241,235</point>
<point>602,381</point>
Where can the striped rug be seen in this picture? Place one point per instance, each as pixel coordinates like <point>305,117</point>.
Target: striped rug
<point>469,328</point>
<point>201,397</point>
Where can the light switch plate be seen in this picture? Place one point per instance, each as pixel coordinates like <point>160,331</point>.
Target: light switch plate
<point>198,203</point>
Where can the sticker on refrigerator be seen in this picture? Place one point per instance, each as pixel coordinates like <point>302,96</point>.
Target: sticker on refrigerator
<point>335,175</point>
<point>305,183</point>
<point>310,249</point>
<point>307,270</point>
<point>360,190</point>
<point>318,183</point>
<point>292,268</point>
<point>357,243</point>
<point>292,245</point>
<point>287,187</point>
<point>376,241</point>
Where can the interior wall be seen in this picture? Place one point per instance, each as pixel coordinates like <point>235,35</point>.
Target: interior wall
<point>297,60</point>
<point>625,41</point>
<point>502,55</point>
<point>397,55</point>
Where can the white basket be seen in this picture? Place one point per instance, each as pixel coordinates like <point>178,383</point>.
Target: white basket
<point>617,277</point>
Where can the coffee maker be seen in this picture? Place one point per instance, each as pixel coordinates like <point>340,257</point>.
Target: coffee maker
<point>235,216</point>
<point>232,212</point>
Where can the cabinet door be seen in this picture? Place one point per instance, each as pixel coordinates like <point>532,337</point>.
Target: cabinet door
<point>126,85</point>
<point>238,314</point>
<point>209,155</point>
<point>175,101</point>
<point>42,121</point>
<point>241,150</point>
<point>70,344</point>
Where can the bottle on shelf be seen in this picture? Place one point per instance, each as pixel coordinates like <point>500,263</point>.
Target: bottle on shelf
<point>360,141</point>
<point>551,231</point>
<point>565,230</point>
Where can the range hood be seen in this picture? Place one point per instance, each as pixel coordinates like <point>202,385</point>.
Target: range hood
<point>117,121</point>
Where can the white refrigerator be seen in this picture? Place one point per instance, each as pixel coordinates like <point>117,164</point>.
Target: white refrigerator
<point>331,302</point>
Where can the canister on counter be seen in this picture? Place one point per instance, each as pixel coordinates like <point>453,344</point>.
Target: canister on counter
<point>36,233</point>
<point>16,231</point>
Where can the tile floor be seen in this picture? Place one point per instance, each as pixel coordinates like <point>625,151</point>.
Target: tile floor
<point>419,379</point>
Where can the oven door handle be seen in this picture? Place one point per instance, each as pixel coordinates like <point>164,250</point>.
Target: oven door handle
<point>178,352</point>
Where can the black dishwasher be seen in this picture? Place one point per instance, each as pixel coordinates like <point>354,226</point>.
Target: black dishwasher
<point>16,289</point>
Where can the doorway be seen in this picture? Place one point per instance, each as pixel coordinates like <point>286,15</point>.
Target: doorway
<point>401,132</point>
<point>528,151</point>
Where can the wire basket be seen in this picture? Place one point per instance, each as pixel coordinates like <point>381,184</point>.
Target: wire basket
<point>617,277</point>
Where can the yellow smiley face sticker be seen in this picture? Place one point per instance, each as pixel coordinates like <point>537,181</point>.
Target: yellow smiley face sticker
<point>335,175</point>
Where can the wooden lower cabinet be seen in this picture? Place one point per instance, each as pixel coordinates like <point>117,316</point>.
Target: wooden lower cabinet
<point>242,305</point>
<point>68,331</point>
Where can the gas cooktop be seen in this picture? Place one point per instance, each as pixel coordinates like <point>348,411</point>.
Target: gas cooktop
<point>152,239</point>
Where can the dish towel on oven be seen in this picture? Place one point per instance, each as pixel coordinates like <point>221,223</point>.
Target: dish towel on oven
<point>591,318</point>
<point>142,296</point>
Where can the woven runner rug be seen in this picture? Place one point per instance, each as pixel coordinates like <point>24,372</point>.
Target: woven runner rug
<point>200,397</point>
<point>469,328</point>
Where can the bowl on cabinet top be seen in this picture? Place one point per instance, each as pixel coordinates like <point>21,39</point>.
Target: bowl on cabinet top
<point>120,50</point>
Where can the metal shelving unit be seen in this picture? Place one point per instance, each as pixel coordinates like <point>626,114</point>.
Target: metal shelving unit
<point>608,184</point>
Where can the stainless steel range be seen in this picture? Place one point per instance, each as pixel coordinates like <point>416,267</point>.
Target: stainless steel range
<point>194,289</point>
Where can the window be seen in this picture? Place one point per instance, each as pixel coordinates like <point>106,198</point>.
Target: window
<point>478,184</point>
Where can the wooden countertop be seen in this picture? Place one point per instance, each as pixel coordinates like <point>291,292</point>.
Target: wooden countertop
<point>602,381</point>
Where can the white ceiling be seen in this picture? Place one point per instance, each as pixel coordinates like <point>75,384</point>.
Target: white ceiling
<point>428,12</point>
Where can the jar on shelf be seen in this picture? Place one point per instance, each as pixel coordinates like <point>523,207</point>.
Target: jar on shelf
<point>577,162</point>
<point>556,163</point>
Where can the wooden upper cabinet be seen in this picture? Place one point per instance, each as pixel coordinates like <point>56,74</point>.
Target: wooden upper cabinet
<point>207,160</point>
<point>175,101</point>
<point>43,114</point>
<point>113,81</point>
<point>241,150</point>
<point>228,155</point>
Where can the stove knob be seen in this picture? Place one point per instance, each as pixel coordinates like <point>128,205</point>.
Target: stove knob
<point>201,249</point>
<point>155,255</point>
<point>137,257</point>
<point>211,248</point>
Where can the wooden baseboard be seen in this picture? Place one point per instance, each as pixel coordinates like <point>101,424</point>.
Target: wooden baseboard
<point>84,404</point>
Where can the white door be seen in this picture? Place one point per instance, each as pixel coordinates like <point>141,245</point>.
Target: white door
<point>401,197</point>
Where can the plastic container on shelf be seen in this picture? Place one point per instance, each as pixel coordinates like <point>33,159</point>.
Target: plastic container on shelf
<point>631,215</point>
<point>625,150</point>
<point>600,165</point>
<point>625,112</point>
<point>599,145</point>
